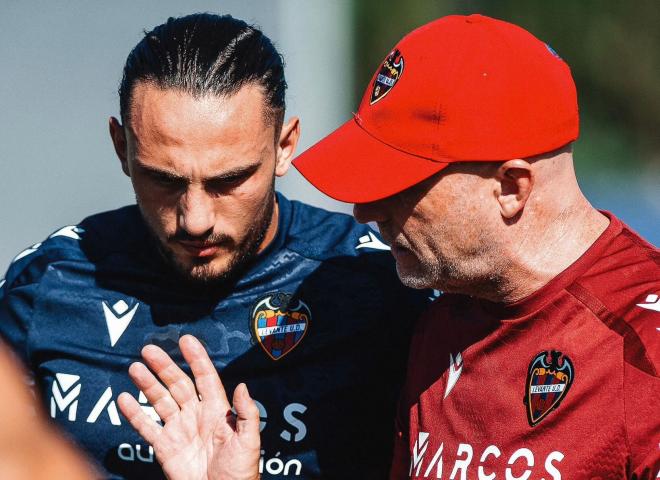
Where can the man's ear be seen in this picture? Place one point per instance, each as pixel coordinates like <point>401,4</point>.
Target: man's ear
<point>515,181</point>
<point>286,147</point>
<point>118,136</point>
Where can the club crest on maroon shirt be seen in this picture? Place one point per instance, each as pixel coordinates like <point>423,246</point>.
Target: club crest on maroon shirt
<point>279,323</point>
<point>389,73</point>
<point>549,377</point>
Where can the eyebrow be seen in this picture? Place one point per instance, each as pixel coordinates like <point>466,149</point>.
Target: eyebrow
<point>233,173</point>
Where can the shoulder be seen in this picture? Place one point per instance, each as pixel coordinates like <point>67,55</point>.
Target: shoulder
<point>622,288</point>
<point>352,252</point>
<point>322,235</point>
<point>95,236</point>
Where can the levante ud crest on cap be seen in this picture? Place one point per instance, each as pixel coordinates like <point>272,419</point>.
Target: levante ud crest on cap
<point>279,323</point>
<point>390,73</point>
<point>549,378</point>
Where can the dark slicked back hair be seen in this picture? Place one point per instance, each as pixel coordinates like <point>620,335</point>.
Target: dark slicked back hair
<point>203,54</point>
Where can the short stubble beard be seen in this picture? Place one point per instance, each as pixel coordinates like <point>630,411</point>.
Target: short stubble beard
<point>200,272</point>
<point>478,273</point>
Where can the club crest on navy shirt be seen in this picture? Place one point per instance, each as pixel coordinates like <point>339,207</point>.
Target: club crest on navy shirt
<point>389,73</point>
<point>279,323</point>
<point>549,377</point>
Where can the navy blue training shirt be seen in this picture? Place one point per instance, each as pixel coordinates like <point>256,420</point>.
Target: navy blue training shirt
<point>317,327</point>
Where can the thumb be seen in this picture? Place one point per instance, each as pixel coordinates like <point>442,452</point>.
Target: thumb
<point>247,414</point>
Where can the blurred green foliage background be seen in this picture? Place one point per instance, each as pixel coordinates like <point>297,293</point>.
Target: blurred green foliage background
<point>612,47</point>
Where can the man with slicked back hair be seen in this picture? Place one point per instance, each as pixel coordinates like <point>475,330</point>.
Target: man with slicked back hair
<point>302,305</point>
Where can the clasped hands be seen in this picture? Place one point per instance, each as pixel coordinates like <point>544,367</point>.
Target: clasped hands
<point>201,438</point>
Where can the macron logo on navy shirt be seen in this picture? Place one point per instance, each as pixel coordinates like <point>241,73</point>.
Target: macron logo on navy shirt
<point>117,318</point>
<point>371,241</point>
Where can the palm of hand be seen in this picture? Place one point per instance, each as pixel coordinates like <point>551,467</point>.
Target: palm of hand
<point>185,446</point>
<point>200,438</point>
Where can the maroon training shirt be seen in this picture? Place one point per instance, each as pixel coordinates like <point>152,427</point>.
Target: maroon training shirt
<point>563,384</point>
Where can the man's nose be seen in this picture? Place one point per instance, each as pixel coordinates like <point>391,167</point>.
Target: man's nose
<point>370,212</point>
<point>196,212</point>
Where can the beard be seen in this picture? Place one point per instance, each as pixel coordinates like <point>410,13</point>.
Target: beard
<point>200,272</point>
<point>421,272</point>
<point>466,270</point>
<point>426,275</point>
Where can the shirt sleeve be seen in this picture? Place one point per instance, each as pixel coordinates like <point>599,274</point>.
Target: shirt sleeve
<point>17,296</point>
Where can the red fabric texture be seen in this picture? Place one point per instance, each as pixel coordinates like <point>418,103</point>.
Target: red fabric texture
<point>607,425</point>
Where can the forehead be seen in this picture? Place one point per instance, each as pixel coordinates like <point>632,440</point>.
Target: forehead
<point>171,119</point>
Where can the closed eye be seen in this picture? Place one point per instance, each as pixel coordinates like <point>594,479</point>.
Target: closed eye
<point>167,181</point>
<point>228,182</point>
<point>218,184</point>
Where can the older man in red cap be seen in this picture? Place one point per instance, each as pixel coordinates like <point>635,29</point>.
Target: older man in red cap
<point>541,359</point>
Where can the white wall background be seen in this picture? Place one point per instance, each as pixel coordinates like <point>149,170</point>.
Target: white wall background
<point>60,66</point>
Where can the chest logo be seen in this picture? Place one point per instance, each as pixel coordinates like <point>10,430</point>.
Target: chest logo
<point>549,377</point>
<point>454,372</point>
<point>117,318</point>
<point>279,323</point>
<point>390,73</point>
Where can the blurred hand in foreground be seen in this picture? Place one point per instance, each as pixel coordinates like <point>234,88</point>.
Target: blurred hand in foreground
<point>201,438</point>
<point>30,447</point>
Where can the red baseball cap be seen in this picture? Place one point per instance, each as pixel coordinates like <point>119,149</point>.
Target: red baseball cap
<point>459,89</point>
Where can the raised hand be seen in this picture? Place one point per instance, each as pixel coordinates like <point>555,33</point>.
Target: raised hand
<point>201,438</point>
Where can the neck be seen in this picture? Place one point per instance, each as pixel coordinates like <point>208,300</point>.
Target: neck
<point>545,249</point>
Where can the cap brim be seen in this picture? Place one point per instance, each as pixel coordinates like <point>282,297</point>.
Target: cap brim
<point>350,165</point>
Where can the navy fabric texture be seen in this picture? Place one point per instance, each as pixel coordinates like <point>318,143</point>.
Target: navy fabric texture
<point>79,307</point>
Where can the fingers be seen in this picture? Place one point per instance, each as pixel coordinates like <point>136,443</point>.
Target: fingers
<point>247,414</point>
<point>177,382</point>
<point>157,395</point>
<point>141,422</point>
<point>207,380</point>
